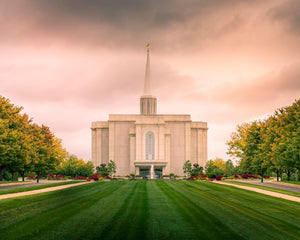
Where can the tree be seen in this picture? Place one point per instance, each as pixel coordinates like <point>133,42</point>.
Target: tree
<point>49,152</point>
<point>211,170</point>
<point>187,168</point>
<point>272,144</point>
<point>229,168</point>
<point>197,169</point>
<point>102,169</point>
<point>10,133</point>
<point>111,167</point>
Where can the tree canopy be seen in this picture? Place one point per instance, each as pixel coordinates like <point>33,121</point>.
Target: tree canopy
<point>24,145</point>
<point>269,145</point>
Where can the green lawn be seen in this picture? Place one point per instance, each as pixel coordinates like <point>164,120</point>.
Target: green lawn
<point>5,182</point>
<point>149,210</point>
<point>292,182</point>
<point>266,188</point>
<point>25,189</point>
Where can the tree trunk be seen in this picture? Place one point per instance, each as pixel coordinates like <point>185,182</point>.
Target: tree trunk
<point>12,175</point>
<point>288,175</point>
<point>37,177</point>
<point>22,173</point>
<point>277,174</point>
<point>262,177</point>
<point>1,174</point>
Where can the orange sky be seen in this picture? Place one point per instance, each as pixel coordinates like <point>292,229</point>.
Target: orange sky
<point>73,62</point>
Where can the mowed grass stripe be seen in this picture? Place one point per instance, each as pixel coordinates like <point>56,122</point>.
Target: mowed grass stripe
<point>130,222</point>
<point>149,210</point>
<point>42,221</point>
<point>252,211</point>
<point>165,221</point>
<point>258,212</point>
<point>201,222</point>
<point>96,218</point>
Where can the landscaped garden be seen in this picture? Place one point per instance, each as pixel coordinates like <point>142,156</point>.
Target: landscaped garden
<point>149,210</point>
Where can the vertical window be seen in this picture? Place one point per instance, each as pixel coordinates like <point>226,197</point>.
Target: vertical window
<point>148,108</point>
<point>150,146</point>
<point>142,107</point>
<point>154,110</point>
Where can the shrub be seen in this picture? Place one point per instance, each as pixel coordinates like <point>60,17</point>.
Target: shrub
<point>219,177</point>
<point>266,176</point>
<point>59,177</point>
<point>80,177</point>
<point>31,176</point>
<point>202,177</point>
<point>245,176</point>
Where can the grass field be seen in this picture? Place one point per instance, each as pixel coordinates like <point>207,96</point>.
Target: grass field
<point>5,182</point>
<point>265,188</point>
<point>149,210</point>
<point>25,189</point>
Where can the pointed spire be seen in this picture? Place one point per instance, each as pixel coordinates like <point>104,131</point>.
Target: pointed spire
<point>147,86</point>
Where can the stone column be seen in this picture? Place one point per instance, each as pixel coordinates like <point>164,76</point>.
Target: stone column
<point>94,148</point>
<point>132,152</point>
<point>161,143</point>
<point>111,147</point>
<point>167,154</point>
<point>139,155</point>
<point>99,146</point>
<point>187,136</point>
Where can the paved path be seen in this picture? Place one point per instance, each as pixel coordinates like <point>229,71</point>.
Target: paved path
<point>279,186</point>
<point>270,193</point>
<point>27,184</point>
<point>11,195</point>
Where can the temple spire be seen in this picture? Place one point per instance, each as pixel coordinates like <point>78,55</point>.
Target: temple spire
<point>147,86</point>
<point>148,103</point>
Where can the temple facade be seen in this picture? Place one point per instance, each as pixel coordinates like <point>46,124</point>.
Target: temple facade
<point>149,144</point>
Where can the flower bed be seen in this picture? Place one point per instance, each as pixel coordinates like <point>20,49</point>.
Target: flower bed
<point>31,176</point>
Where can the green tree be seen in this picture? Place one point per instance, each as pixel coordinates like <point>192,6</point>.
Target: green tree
<point>111,167</point>
<point>196,170</point>
<point>48,152</point>
<point>211,169</point>
<point>229,168</point>
<point>10,134</point>
<point>187,168</point>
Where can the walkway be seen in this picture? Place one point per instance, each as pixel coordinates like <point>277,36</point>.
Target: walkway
<point>279,185</point>
<point>28,184</point>
<point>270,193</point>
<point>12,195</point>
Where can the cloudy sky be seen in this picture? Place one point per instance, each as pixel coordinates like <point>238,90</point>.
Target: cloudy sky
<point>71,62</point>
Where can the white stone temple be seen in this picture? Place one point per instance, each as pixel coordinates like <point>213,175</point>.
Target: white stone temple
<point>148,143</point>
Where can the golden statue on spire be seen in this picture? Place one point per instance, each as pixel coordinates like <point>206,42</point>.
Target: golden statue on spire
<point>148,46</point>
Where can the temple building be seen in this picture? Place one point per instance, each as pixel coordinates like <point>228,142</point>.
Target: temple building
<point>149,144</point>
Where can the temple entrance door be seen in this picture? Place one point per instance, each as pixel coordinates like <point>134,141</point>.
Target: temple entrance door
<point>158,172</point>
<point>145,172</point>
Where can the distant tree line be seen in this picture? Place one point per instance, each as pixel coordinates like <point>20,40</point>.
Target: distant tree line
<point>218,166</point>
<point>271,145</point>
<point>26,147</point>
<point>74,166</point>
